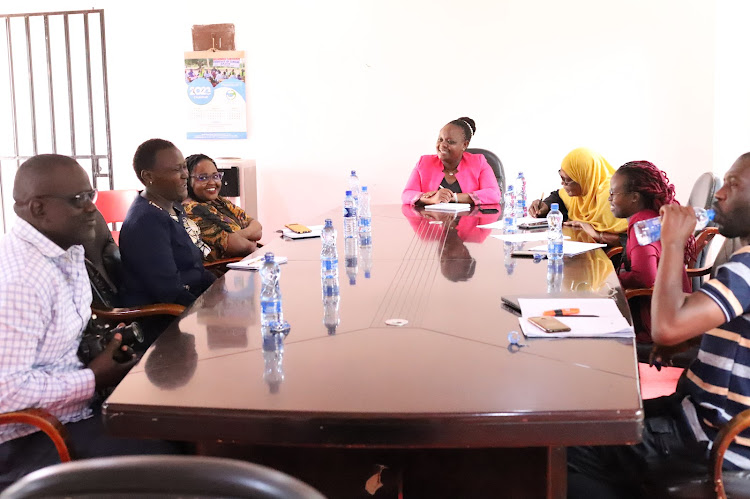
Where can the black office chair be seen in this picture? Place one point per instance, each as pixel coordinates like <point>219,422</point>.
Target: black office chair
<point>160,476</point>
<point>495,163</point>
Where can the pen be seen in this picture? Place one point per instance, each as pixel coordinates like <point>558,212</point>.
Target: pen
<point>566,312</point>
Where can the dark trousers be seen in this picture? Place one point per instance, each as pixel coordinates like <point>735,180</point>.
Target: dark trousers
<point>21,456</point>
<point>622,471</point>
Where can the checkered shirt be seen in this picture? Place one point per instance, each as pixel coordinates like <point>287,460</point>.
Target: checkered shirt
<point>45,304</point>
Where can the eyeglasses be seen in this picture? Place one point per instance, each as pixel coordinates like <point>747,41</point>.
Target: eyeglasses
<point>204,177</point>
<point>613,194</point>
<point>80,200</point>
<point>566,182</point>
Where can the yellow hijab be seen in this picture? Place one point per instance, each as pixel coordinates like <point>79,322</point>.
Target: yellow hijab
<point>593,172</point>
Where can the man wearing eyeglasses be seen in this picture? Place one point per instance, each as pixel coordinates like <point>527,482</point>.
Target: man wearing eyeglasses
<point>45,305</point>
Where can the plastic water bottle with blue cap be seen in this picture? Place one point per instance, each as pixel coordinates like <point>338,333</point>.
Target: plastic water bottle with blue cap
<point>363,213</point>
<point>554,233</point>
<point>272,316</point>
<point>520,188</point>
<point>350,216</point>
<point>329,258</point>
<point>509,210</point>
<point>354,185</point>
<point>649,231</point>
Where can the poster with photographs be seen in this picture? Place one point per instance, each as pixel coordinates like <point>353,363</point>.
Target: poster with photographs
<point>215,95</point>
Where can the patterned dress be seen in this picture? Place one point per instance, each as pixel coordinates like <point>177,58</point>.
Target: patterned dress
<point>216,219</point>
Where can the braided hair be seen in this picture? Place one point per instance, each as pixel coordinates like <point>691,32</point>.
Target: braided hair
<point>467,125</point>
<point>653,185</point>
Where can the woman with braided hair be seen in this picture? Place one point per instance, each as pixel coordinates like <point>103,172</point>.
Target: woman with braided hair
<point>637,190</point>
<point>452,175</point>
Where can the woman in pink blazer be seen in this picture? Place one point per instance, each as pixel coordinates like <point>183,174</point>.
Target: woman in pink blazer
<point>452,175</point>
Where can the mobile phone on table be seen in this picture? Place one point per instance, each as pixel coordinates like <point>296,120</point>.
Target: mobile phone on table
<point>549,324</point>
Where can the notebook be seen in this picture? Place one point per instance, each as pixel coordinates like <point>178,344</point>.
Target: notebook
<point>609,322</point>
<point>315,231</point>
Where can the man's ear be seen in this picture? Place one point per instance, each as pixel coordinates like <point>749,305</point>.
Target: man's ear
<point>37,209</point>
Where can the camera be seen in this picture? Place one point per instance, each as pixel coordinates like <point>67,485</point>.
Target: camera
<point>96,338</point>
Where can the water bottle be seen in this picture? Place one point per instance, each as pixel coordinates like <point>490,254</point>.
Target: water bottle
<point>350,216</point>
<point>272,317</point>
<point>554,233</point>
<point>520,188</point>
<point>273,357</point>
<point>365,253</point>
<point>508,260</point>
<point>329,258</point>
<point>350,259</point>
<point>331,298</point>
<point>509,218</point>
<point>554,275</point>
<point>354,185</point>
<point>363,213</point>
<point>649,231</point>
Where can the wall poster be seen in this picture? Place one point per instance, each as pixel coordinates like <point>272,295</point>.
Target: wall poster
<point>215,95</point>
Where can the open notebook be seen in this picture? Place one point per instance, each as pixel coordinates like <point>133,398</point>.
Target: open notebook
<point>610,322</point>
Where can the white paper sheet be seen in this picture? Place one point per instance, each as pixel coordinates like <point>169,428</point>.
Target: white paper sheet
<point>524,237</point>
<point>571,248</point>
<point>454,207</point>
<point>610,323</point>
<point>254,263</point>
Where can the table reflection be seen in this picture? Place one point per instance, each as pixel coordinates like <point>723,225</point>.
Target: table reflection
<point>273,360</point>
<point>331,299</point>
<point>172,360</point>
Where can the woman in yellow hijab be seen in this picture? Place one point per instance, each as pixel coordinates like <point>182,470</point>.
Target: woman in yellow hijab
<point>584,197</point>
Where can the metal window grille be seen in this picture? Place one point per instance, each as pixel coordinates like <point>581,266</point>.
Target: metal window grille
<point>56,99</point>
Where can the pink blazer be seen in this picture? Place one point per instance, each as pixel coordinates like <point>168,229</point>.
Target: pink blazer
<point>474,175</point>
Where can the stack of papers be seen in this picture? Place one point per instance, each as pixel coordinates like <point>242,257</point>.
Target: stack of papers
<point>254,262</point>
<point>609,322</point>
<point>454,207</point>
<point>523,237</point>
<point>570,248</point>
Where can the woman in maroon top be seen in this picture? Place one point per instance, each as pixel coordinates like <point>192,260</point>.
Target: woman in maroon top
<point>637,190</point>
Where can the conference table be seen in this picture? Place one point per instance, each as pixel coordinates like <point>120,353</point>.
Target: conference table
<point>411,362</point>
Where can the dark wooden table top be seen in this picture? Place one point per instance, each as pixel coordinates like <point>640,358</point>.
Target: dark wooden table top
<point>446,379</point>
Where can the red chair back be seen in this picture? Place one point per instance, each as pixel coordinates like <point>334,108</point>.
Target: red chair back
<point>114,205</point>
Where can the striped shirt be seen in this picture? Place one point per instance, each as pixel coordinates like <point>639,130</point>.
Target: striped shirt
<point>45,304</point>
<point>718,381</point>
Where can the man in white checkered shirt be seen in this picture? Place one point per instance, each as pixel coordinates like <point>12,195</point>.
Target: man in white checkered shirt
<point>45,300</point>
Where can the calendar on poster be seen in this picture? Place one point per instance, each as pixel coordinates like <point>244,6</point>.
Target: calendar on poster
<point>215,95</point>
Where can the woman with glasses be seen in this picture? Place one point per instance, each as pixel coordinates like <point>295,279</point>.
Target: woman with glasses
<point>585,177</point>
<point>225,227</point>
<point>638,190</point>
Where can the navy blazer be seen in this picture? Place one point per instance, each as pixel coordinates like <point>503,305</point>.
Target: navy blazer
<point>161,263</point>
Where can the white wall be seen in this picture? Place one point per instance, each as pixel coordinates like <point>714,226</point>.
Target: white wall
<point>335,85</point>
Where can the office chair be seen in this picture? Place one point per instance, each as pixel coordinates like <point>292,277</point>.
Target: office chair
<point>114,205</point>
<point>160,476</point>
<point>495,163</point>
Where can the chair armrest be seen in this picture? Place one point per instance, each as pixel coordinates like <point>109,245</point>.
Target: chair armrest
<point>133,313</point>
<point>699,272</point>
<point>632,293</point>
<point>722,441</point>
<point>614,251</point>
<point>46,422</point>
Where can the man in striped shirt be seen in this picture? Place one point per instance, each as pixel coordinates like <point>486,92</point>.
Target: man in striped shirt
<point>45,304</point>
<point>679,429</point>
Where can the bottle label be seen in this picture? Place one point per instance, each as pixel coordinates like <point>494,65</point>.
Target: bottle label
<point>350,212</point>
<point>270,307</point>
<point>555,247</point>
<point>329,265</point>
